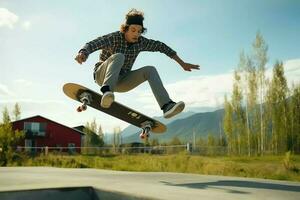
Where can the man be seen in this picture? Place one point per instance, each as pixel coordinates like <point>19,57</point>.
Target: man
<point>119,51</point>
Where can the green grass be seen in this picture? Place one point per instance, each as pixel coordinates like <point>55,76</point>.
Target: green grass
<point>268,167</point>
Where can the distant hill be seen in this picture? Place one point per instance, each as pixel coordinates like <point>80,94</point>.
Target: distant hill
<point>133,130</point>
<point>200,123</point>
<point>130,130</point>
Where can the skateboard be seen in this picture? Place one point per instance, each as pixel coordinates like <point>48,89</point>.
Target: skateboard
<point>92,99</point>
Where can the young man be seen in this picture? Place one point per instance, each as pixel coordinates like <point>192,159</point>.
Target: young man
<point>119,51</point>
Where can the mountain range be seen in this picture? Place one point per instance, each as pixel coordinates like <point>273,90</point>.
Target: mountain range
<point>184,126</point>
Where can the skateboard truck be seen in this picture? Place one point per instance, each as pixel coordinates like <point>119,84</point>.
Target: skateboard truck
<point>146,128</point>
<point>85,98</point>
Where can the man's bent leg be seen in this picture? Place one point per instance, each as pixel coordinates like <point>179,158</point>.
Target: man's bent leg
<point>107,76</point>
<point>134,78</point>
<point>108,72</point>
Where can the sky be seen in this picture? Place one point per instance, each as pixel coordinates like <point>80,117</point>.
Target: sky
<point>40,39</point>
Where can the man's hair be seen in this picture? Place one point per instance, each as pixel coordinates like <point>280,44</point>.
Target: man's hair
<point>133,13</point>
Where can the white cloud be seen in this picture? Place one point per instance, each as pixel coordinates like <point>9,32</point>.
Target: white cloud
<point>4,91</point>
<point>7,18</point>
<point>292,71</point>
<point>26,25</point>
<point>23,83</point>
<point>197,92</point>
<point>208,91</point>
<point>202,91</point>
<point>10,20</point>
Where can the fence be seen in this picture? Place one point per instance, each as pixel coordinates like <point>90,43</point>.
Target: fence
<point>170,149</point>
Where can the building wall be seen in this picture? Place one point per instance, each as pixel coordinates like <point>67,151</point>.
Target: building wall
<point>56,134</point>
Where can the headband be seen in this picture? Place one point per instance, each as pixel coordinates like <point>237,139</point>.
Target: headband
<point>135,20</point>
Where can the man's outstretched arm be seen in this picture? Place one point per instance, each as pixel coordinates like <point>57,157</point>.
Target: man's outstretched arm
<point>186,66</point>
<point>94,45</point>
<point>155,45</point>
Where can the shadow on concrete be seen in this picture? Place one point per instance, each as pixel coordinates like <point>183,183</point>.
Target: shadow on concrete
<point>240,184</point>
<point>67,193</point>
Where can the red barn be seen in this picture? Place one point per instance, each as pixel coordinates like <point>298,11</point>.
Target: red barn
<point>41,132</point>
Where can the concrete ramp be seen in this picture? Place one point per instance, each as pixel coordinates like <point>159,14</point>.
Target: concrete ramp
<point>47,183</point>
<point>68,193</point>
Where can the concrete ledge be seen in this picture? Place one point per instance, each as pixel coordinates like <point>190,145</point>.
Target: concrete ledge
<point>67,193</point>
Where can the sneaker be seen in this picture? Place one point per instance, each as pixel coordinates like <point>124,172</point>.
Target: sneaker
<point>107,99</point>
<point>172,109</point>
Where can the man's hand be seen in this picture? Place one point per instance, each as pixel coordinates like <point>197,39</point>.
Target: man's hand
<point>189,67</point>
<point>80,58</point>
<point>184,65</point>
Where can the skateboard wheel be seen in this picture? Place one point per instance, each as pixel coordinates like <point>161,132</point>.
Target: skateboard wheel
<point>79,109</point>
<point>142,135</point>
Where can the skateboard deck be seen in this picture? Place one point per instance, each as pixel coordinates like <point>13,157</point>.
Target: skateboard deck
<point>90,98</point>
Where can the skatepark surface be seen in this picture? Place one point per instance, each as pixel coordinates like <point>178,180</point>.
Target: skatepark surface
<point>49,183</point>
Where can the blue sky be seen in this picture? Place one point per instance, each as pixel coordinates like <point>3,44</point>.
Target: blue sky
<point>39,40</point>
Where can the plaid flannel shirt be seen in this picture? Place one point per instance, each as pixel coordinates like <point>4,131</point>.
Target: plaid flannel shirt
<point>115,43</point>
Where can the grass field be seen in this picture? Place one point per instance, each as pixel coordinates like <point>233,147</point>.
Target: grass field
<point>268,167</point>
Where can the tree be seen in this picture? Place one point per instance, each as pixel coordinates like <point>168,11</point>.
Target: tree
<point>294,105</point>
<point>279,108</point>
<point>8,138</point>
<point>5,116</point>
<point>238,114</point>
<point>117,136</point>
<point>244,67</point>
<point>260,49</point>
<point>91,137</point>
<point>154,142</point>
<point>211,144</point>
<point>228,124</point>
<point>175,141</point>
<point>101,136</point>
<point>253,113</point>
<point>17,112</point>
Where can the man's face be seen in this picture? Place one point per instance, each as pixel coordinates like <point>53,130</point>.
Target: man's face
<point>133,33</point>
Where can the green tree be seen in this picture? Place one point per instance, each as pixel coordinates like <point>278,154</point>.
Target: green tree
<point>154,142</point>
<point>9,138</point>
<point>17,112</point>
<point>294,105</point>
<point>92,138</point>
<point>245,68</point>
<point>238,115</point>
<point>253,112</point>
<point>175,141</point>
<point>117,136</point>
<point>100,134</point>
<point>211,144</point>
<point>279,109</point>
<point>201,142</point>
<point>228,125</point>
<point>260,58</point>
<point>211,140</point>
